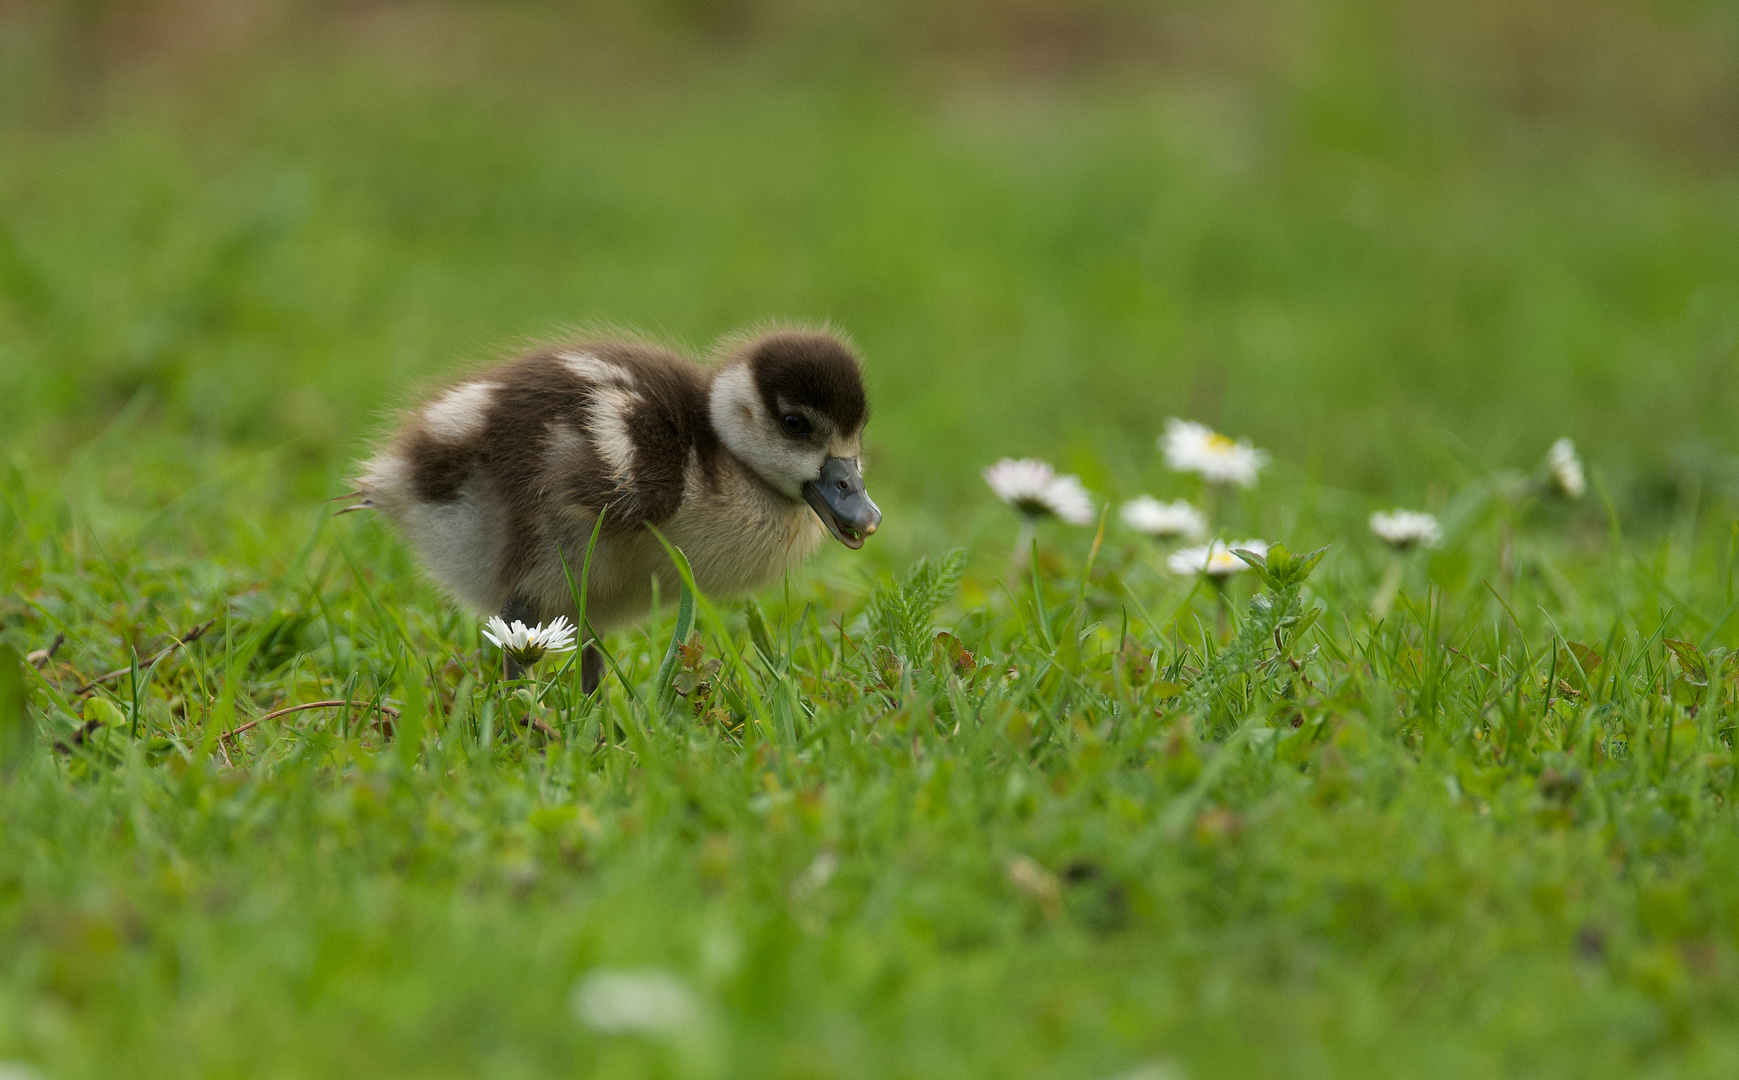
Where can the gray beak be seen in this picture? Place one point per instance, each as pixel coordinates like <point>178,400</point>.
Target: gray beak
<point>841,502</point>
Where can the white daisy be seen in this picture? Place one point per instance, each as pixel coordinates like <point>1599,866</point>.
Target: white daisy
<point>527,645</point>
<point>647,1001</point>
<point>1198,448</point>
<point>1565,469</point>
<point>1035,490</point>
<point>1405,530</point>
<point>1146,514</point>
<point>1214,559</point>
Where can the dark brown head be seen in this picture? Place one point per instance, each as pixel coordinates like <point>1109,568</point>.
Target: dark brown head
<point>791,406</point>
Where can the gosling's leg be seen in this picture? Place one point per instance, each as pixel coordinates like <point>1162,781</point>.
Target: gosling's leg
<point>591,667</point>
<point>517,608</point>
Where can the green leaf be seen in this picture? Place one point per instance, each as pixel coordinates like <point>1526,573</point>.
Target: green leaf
<point>1302,624</point>
<point>662,681</point>
<point>1164,689</point>
<point>758,631</point>
<point>1263,564</point>
<point>1691,661</point>
<point>1281,568</point>
<point>1579,673</point>
<point>1302,565</point>
<point>1586,656</point>
<point>104,712</point>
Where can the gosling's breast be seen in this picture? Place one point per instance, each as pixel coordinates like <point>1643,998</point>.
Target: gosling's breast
<point>739,534</point>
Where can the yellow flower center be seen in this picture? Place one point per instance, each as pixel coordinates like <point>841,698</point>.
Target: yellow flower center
<point>1219,444</point>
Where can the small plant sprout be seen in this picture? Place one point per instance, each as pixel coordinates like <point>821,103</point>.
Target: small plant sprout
<point>527,645</point>
<point>1404,531</point>
<point>1216,561</point>
<point>1564,474</point>
<point>1198,448</point>
<point>1164,521</point>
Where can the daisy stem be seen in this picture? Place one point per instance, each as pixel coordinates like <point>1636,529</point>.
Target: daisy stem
<point>1017,559</point>
<point>1391,584</point>
<point>1023,542</point>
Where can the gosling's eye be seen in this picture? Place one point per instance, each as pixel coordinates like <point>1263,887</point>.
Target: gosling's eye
<point>794,425</point>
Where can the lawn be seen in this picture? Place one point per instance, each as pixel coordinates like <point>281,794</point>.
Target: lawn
<point>947,807</point>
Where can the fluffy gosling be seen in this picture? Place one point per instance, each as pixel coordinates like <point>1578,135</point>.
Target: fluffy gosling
<point>747,465</point>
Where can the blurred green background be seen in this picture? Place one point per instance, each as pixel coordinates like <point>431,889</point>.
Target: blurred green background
<point>1391,241</point>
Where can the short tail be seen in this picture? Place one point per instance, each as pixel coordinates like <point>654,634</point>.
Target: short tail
<point>359,500</point>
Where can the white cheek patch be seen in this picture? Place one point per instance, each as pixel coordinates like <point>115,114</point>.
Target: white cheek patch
<point>460,413</point>
<point>608,420</point>
<point>594,370</point>
<point>735,406</point>
<point>746,430</point>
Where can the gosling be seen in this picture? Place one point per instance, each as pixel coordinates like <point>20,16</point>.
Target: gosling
<point>747,465</point>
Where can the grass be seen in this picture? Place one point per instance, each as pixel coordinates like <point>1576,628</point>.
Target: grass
<point>1114,823</point>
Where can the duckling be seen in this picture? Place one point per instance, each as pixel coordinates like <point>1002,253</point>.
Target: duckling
<point>747,465</point>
